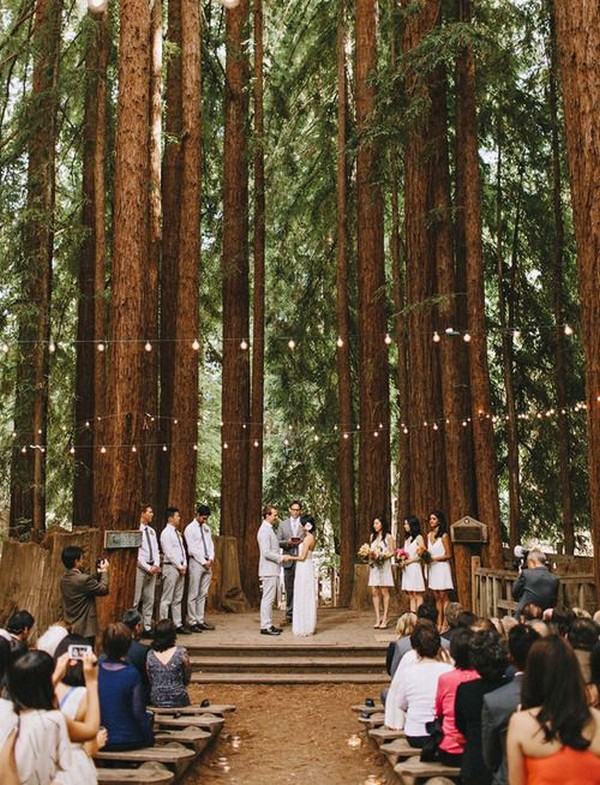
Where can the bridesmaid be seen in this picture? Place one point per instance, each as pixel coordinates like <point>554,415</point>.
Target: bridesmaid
<point>412,574</point>
<point>440,574</point>
<point>380,575</point>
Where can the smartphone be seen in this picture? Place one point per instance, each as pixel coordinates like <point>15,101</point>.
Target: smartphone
<point>77,651</point>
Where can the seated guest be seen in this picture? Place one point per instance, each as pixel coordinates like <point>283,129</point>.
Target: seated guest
<point>425,612</point>
<point>138,651</point>
<point>49,640</point>
<point>404,629</point>
<point>583,636</point>
<point>8,717</point>
<point>413,689</point>
<point>593,687</point>
<point>489,659</point>
<point>168,668</point>
<point>499,705</point>
<point>452,746</point>
<point>556,736</point>
<point>529,612</point>
<point>42,748</point>
<point>452,613</point>
<point>122,705</point>
<point>18,626</point>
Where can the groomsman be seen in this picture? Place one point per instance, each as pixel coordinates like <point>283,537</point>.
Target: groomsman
<point>289,534</point>
<point>268,569</point>
<point>174,570</point>
<point>201,551</point>
<point>148,567</point>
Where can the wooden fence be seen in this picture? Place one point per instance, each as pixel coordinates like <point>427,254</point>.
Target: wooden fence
<point>492,590</point>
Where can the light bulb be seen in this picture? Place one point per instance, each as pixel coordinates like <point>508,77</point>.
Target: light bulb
<point>467,337</point>
<point>436,337</point>
<point>230,3</point>
<point>292,343</point>
<point>148,346</point>
<point>101,347</point>
<point>244,345</point>
<point>97,6</point>
<point>195,344</point>
<point>568,329</point>
<point>339,343</point>
<point>388,339</point>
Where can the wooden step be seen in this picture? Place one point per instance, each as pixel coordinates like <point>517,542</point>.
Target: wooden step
<point>196,739</point>
<point>382,734</point>
<point>373,720</point>
<point>212,708</point>
<point>422,771</point>
<point>209,722</point>
<point>283,647</point>
<point>363,708</point>
<point>175,756</point>
<point>398,748</point>
<point>147,773</point>
<point>346,677</point>
<point>304,664</point>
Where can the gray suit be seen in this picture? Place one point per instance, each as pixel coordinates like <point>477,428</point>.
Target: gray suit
<point>536,585</point>
<point>284,533</point>
<point>498,707</point>
<point>268,571</point>
<point>79,592</point>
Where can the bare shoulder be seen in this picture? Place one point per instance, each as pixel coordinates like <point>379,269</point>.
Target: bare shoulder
<point>595,739</point>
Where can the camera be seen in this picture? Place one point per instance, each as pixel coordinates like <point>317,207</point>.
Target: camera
<point>77,651</point>
<point>521,555</point>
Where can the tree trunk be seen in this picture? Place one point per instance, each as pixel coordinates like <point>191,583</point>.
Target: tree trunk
<point>90,314</point>
<point>184,414</point>
<point>28,468</point>
<point>483,432</point>
<point>374,413</point>
<point>578,42</point>
<point>256,443</point>
<point>561,368</point>
<point>348,533</point>
<point>235,385</point>
<point>123,422</point>
<point>169,272</point>
<point>426,447</point>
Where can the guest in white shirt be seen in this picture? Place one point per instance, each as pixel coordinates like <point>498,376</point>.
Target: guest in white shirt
<point>201,552</point>
<point>148,567</point>
<point>174,570</point>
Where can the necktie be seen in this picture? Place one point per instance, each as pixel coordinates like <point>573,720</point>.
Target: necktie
<point>181,547</point>
<point>203,542</point>
<point>149,542</point>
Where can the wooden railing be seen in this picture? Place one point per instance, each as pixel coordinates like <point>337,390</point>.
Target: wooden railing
<point>492,590</point>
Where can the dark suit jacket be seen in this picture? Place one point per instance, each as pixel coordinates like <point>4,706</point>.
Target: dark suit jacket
<point>498,707</point>
<point>536,585</point>
<point>467,708</point>
<point>137,656</point>
<point>79,593</point>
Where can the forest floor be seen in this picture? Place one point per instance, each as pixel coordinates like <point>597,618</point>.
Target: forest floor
<point>290,735</point>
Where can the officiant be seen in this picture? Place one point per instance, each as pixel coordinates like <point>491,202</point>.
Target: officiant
<point>290,534</point>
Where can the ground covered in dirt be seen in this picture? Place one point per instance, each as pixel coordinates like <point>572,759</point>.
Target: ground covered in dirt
<point>289,735</point>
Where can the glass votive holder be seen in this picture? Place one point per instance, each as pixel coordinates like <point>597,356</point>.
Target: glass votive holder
<point>354,741</point>
<point>236,741</point>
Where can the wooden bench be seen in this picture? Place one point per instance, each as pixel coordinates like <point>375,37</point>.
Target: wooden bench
<point>362,707</point>
<point>421,772</point>
<point>150,773</point>
<point>382,734</point>
<point>398,748</point>
<point>374,720</point>
<point>213,708</point>
<point>175,756</point>
<point>207,722</point>
<point>194,738</point>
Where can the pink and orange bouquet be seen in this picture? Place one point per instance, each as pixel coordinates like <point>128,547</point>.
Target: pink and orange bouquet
<point>424,555</point>
<point>401,557</point>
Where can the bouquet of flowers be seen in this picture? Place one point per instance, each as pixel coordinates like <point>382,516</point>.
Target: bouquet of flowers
<point>424,555</point>
<point>401,557</point>
<point>372,556</point>
<point>363,552</point>
<point>376,557</point>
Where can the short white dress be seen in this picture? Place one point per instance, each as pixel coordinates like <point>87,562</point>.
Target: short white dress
<point>412,574</point>
<point>381,574</point>
<point>439,572</point>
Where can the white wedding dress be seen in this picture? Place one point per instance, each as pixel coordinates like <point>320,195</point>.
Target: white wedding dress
<point>304,615</point>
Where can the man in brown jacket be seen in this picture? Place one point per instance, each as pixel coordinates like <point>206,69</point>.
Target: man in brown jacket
<point>79,592</point>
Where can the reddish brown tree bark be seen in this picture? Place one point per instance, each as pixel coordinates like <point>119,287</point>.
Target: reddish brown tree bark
<point>578,42</point>
<point>28,467</point>
<point>235,385</point>
<point>348,534</point>
<point>488,507</point>
<point>374,414</point>
<point>89,377</point>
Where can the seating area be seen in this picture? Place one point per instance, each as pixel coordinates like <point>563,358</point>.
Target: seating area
<point>181,736</point>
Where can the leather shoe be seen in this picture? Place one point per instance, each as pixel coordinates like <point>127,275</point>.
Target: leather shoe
<point>270,631</point>
<point>204,625</point>
<point>183,631</point>
<point>196,627</point>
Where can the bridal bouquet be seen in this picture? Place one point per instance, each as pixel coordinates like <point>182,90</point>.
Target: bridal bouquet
<point>424,555</point>
<point>374,557</point>
<point>401,557</point>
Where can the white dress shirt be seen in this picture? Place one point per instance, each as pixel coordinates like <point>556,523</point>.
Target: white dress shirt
<point>198,537</point>
<point>148,554</point>
<point>172,546</point>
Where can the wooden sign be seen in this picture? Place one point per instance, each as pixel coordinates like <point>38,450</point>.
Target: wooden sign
<point>124,538</point>
<point>469,529</point>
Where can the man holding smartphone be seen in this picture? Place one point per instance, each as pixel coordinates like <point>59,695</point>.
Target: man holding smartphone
<point>79,591</point>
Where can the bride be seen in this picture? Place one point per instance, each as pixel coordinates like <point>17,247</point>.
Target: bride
<point>304,616</point>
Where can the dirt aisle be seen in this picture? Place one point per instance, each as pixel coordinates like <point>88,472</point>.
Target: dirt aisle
<point>289,735</point>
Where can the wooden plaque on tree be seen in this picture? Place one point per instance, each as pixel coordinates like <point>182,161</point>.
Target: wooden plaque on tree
<point>117,540</point>
<point>468,530</point>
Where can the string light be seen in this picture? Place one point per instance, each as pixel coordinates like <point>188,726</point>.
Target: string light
<point>97,6</point>
<point>195,344</point>
<point>467,337</point>
<point>243,345</point>
<point>436,337</point>
<point>101,347</point>
<point>388,339</point>
<point>292,344</point>
<point>568,330</point>
<point>148,346</point>
<point>339,343</point>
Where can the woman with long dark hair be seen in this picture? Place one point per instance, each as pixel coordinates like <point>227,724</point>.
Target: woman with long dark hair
<point>556,736</point>
<point>439,572</point>
<point>380,572</point>
<point>413,582</point>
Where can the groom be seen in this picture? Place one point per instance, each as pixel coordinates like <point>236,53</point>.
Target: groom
<point>290,533</point>
<point>268,569</point>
